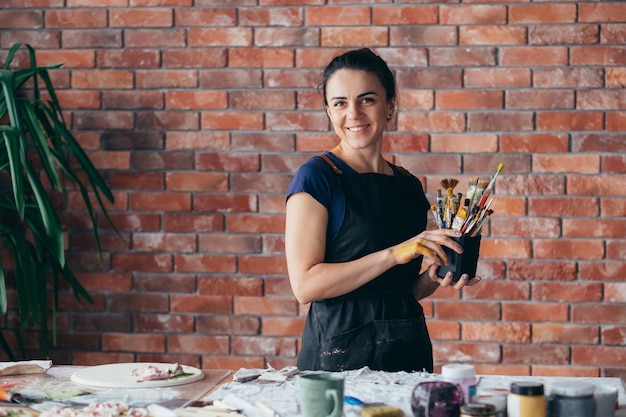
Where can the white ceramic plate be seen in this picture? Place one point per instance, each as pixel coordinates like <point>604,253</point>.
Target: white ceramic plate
<point>118,375</point>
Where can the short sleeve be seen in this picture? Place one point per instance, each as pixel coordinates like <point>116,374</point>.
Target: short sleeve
<point>314,177</point>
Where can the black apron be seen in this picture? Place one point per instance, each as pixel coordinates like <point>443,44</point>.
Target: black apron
<point>379,325</point>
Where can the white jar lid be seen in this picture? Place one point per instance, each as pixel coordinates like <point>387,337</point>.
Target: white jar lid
<point>498,401</point>
<point>571,389</point>
<point>458,370</point>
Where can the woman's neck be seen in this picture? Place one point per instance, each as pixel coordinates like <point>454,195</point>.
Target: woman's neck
<point>362,162</point>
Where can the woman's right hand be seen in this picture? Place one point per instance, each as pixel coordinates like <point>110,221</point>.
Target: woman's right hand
<point>429,244</point>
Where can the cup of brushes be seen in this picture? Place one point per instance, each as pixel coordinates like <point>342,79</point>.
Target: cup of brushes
<point>468,214</point>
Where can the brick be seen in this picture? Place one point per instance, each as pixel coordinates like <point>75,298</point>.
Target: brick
<point>562,34</point>
<point>567,78</point>
<point>161,2</point>
<point>163,201</point>
<point>531,185</point>
<point>602,13</point>
<point>167,120</point>
<point>404,15</point>
<point>597,55</point>
<point>78,99</point>
<point>91,38</point>
<point>542,13</point>
<point>496,332</point>
<point>290,121</point>
<point>132,99</point>
<point>132,221</point>
<point>612,207</point>
<point>207,161</point>
<point>255,223</point>
<point>196,181</point>
<point>197,16</point>
<point>37,39</point>
<point>605,228</point>
<point>399,142</point>
<point>283,326</point>
<point>535,312</point>
<point>132,141</point>
<point>266,306</point>
<point>431,122</point>
<point>497,78</point>
<point>525,227</point>
<point>421,164</point>
<point>404,57</point>
<point>157,262</point>
<point>99,358</point>
<point>467,57</point>
<point>568,249</point>
<point>231,37</point>
<point>492,35</point>
<point>159,282</point>
<point>177,141</point>
<point>496,369</point>
<point>155,38</point>
<point>614,292</point>
<point>240,287</point>
<point>612,33</point>
<point>21,19</point>
<point>161,160</point>
<point>283,78</point>
<point>498,290</point>
<point>127,59</point>
<point>163,323</point>
<point>468,99</point>
<point>133,302</point>
<point>100,281</point>
<point>422,35</point>
<point>598,355</point>
<point>232,362</point>
<point>195,100</point>
<point>613,335</point>
<point>99,3</point>
<point>499,122</point>
<point>339,16</point>
<point>231,78</point>
<point>225,203</point>
<point>133,342</point>
<point>102,79</point>
<point>472,14</point>
<point>228,325</point>
<point>231,120</point>
<point>197,344</point>
<point>354,36</point>
<point>69,58</point>
<point>104,322</point>
<point>616,121</point>
<point>262,100</point>
<point>71,18</point>
<point>274,346</point>
<point>429,78</point>
<point>535,56</point>
<point>596,185</point>
<point>261,57</point>
<point>283,37</point>
<point>262,265</point>
<point>580,164</point>
<point>195,58</point>
<point>166,79</point>
<point>615,250</point>
<point>540,99</point>
<point>605,271</point>
<point>204,263</point>
<point>465,143</point>
<point>567,291</point>
<point>144,17</point>
<point>534,142</point>
<point>466,310</point>
<point>276,16</point>
<point>565,334</point>
<point>156,242</point>
<point>563,207</point>
<point>601,99</point>
<point>102,120</point>
<point>535,354</point>
<point>444,330</point>
<point>448,352</point>
<point>592,142</point>
<point>176,222</point>
<point>278,286</point>
<point>206,304</point>
<point>75,342</point>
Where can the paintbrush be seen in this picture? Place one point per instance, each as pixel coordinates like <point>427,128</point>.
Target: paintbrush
<point>490,186</point>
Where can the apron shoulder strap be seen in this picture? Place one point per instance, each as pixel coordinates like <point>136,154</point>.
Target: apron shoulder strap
<point>403,171</point>
<point>331,163</point>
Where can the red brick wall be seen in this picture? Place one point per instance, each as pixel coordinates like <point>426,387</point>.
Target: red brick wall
<point>199,112</point>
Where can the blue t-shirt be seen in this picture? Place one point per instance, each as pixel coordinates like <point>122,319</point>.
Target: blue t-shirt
<point>316,178</point>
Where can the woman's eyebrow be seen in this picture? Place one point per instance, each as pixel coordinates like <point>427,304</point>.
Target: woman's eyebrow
<point>359,96</point>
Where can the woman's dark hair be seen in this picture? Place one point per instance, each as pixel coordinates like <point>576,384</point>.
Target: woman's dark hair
<point>360,59</point>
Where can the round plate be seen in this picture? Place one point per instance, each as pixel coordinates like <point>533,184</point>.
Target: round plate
<point>118,375</point>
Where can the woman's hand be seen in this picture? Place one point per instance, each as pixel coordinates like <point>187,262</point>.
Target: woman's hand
<point>429,244</point>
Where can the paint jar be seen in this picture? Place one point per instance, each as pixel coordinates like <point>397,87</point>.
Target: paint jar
<point>495,397</point>
<point>478,409</point>
<point>526,399</point>
<point>436,399</point>
<point>605,397</point>
<point>462,375</point>
<point>571,399</point>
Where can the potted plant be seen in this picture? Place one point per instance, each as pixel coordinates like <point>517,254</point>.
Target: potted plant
<point>39,158</point>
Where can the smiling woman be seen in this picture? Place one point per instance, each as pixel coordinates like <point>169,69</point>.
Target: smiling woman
<point>368,258</point>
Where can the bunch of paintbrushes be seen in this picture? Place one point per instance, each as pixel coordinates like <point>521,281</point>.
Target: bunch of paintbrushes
<point>469,213</point>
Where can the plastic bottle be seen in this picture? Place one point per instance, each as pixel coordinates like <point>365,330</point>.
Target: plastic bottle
<point>526,399</point>
<point>462,375</point>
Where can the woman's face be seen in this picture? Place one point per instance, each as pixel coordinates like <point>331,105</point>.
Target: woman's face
<point>357,107</point>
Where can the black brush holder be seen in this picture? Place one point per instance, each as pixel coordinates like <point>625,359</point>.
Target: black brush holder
<point>461,263</point>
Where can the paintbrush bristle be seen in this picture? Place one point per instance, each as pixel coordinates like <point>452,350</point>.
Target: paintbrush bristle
<point>448,183</point>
